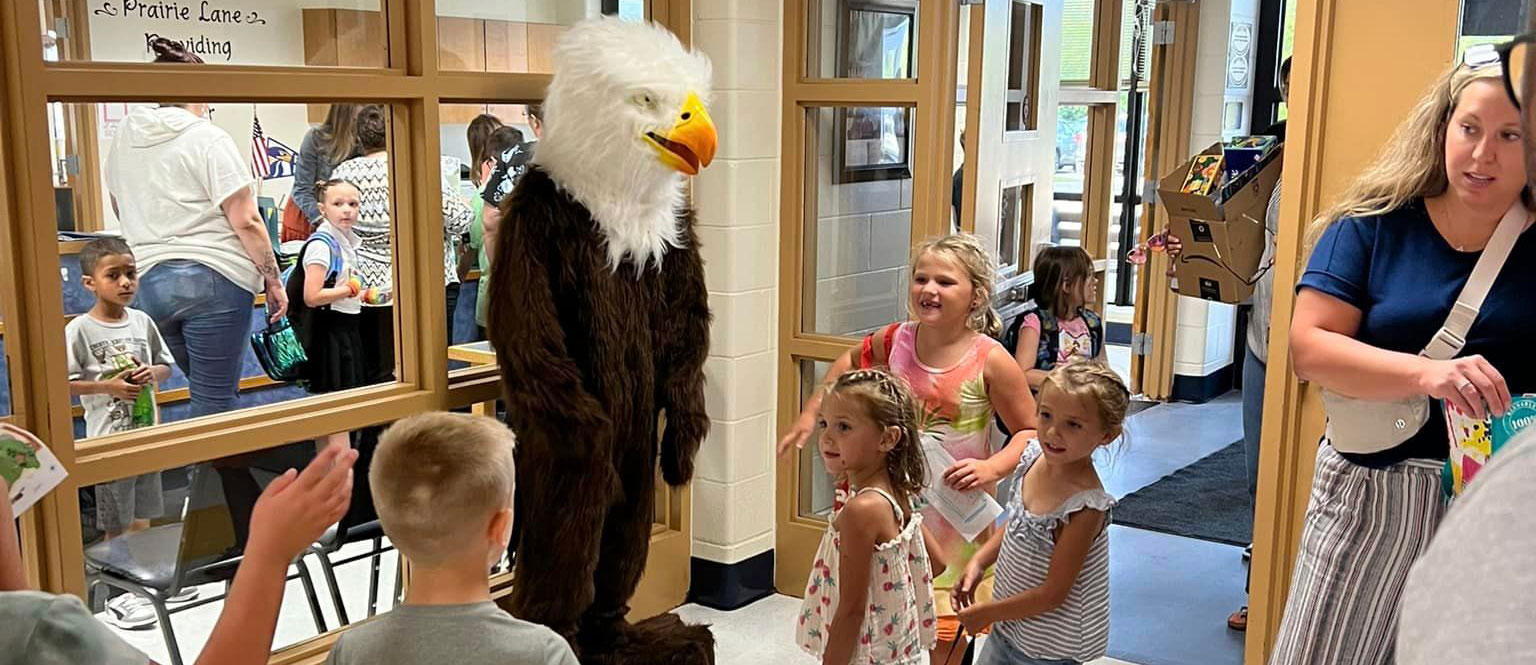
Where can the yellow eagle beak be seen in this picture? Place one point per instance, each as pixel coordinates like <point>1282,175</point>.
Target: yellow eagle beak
<point>690,144</point>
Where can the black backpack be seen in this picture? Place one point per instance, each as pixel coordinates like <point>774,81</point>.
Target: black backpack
<point>301,316</point>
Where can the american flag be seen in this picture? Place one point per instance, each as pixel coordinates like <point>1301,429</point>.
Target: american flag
<point>260,168</point>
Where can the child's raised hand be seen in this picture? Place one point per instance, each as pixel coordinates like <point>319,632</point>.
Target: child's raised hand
<point>297,508</point>
<point>798,434</point>
<point>969,474</point>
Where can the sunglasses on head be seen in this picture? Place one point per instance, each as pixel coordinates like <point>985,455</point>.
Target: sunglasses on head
<point>1512,55</point>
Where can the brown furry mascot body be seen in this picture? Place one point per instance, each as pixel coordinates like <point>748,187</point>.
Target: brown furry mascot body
<point>601,323</point>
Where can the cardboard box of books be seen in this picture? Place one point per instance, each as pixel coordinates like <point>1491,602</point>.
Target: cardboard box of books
<point>1216,203</point>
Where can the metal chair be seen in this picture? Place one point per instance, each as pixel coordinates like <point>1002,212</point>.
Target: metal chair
<point>340,536</point>
<point>159,562</point>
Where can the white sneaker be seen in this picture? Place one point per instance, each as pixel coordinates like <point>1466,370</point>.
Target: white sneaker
<point>186,595</point>
<point>129,612</point>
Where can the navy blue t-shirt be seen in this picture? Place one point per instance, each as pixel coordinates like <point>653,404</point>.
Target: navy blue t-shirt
<point>1404,277</point>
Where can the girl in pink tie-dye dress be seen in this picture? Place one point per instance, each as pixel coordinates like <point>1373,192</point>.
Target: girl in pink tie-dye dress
<point>959,376</point>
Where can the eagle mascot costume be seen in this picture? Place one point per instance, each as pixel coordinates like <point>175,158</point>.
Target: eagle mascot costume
<point>600,320</point>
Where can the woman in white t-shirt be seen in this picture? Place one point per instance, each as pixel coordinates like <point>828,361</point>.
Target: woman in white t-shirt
<point>184,197</point>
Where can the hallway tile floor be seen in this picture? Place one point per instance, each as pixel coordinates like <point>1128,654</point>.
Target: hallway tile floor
<point>764,632</point>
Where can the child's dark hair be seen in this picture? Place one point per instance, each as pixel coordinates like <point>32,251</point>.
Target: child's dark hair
<point>1058,268</point>
<point>372,128</point>
<point>477,135</point>
<point>500,141</point>
<point>888,402</point>
<point>169,50</point>
<point>94,250</point>
<point>1100,384</point>
<point>322,186</point>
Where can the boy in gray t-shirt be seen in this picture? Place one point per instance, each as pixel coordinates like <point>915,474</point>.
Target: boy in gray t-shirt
<point>442,484</point>
<point>116,357</point>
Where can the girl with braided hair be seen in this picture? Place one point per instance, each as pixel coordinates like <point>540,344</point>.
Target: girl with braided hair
<point>959,377</point>
<point>870,596</point>
<point>1051,602</point>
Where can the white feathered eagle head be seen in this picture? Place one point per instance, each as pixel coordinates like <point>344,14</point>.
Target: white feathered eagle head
<point>625,119</point>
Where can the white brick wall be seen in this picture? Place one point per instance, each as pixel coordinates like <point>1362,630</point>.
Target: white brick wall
<point>737,204</point>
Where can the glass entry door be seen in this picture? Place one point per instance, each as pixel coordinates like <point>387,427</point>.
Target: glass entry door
<point>875,100</point>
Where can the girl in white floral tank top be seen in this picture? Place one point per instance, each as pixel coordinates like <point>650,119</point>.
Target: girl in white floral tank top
<point>869,599</point>
<point>959,377</point>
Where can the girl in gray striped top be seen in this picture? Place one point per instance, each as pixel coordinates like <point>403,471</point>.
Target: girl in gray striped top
<point>1051,602</point>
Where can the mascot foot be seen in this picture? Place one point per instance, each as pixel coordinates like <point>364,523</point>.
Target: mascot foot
<point>659,640</point>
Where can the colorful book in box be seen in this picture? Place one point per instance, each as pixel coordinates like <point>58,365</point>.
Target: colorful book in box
<point>1474,441</point>
<point>1245,153</point>
<point>1204,174</point>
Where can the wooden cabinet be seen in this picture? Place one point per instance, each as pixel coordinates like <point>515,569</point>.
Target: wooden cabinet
<point>506,46</point>
<point>343,38</point>
<point>461,44</point>
<point>354,38</point>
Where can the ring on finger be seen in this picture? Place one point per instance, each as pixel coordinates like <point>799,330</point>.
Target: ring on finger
<point>1464,385</point>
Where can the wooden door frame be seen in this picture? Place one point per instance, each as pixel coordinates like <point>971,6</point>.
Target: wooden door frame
<point>1170,112</point>
<point>1329,141</point>
<point>932,94</point>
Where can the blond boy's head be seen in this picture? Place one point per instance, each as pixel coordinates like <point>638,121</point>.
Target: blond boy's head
<point>441,481</point>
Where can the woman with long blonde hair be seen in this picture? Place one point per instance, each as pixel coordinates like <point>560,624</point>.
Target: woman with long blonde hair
<point>1387,264</point>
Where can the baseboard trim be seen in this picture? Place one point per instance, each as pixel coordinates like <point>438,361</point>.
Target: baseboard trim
<point>1202,389</point>
<point>729,586</point>
<point>1117,333</point>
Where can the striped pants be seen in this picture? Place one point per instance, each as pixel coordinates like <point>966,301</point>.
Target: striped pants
<point>1364,529</point>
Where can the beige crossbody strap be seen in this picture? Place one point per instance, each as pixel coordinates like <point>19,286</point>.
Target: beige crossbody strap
<point>1451,337</point>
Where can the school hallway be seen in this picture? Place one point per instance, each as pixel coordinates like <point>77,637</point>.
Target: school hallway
<point>1169,595</point>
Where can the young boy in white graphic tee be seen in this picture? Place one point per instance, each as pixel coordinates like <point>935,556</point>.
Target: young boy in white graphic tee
<point>116,357</point>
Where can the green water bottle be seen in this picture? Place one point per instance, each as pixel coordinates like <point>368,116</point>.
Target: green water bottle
<point>144,406</point>
<point>143,413</point>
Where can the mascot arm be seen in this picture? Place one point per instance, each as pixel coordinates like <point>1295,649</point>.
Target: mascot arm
<point>546,399</point>
<point>685,346</point>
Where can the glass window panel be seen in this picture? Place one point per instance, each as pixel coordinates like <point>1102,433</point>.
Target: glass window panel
<point>476,139</point>
<point>1024,35</point>
<point>515,36</point>
<point>862,39</point>
<point>202,294</point>
<point>1129,19</point>
<point>1071,160</point>
<point>1014,207</point>
<point>340,33</point>
<point>1077,34</point>
<point>858,235</point>
<point>1124,168</point>
<point>816,490</point>
<point>183,522</point>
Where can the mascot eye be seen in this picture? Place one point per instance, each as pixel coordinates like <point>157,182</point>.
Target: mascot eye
<point>645,100</point>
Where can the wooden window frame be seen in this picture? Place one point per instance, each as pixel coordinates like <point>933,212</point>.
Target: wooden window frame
<point>30,293</point>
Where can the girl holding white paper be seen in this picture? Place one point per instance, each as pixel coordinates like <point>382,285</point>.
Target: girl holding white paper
<point>959,376</point>
<point>1052,598</point>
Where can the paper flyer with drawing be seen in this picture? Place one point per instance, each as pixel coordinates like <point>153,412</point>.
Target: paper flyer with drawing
<point>970,512</point>
<point>29,468</point>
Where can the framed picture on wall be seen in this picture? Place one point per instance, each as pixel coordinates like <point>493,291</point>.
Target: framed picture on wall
<point>875,41</point>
